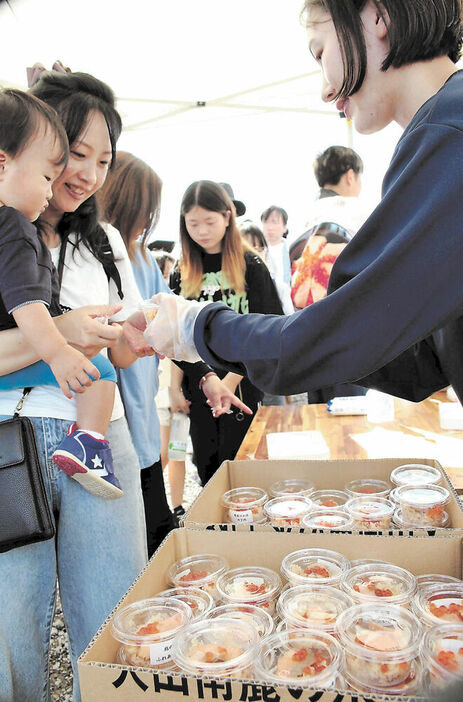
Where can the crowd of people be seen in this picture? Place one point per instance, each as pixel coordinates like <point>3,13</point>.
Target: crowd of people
<point>242,311</point>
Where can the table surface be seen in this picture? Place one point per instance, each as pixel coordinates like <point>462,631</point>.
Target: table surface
<point>415,432</point>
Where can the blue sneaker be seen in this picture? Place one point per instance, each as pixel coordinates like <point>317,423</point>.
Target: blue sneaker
<point>89,461</point>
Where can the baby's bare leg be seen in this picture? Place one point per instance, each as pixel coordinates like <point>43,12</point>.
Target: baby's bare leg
<point>95,406</point>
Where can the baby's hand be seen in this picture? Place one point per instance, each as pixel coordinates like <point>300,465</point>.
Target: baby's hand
<point>70,368</point>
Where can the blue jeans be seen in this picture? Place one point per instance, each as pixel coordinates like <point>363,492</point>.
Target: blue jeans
<point>98,551</point>
<point>40,374</point>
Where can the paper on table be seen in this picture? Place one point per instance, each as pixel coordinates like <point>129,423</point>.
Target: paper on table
<point>297,445</point>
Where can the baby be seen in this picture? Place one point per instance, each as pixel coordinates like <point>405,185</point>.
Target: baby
<point>33,153</point>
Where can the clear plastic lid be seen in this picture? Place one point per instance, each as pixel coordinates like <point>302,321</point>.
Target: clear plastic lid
<point>440,603</point>
<point>147,629</point>
<point>221,647</point>
<point>310,659</point>
<point>370,509</point>
<point>294,486</point>
<point>368,561</point>
<point>329,498</point>
<point>312,606</point>
<point>441,523</point>
<point>442,651</point>
<point>287,510</point>
<point>367,486</point>
<point>258,616</point>
<point>250,584</point>
<point>199,601</point>
<point>393,495</point>
<point>244,505</point>
<point>380,583</point>
<point>380,643</point>
<point>333,519</point>
<point>200,570</point>
<point>435,579</point>
<point>415,474</point>
<point>423,497</point>
<point>312,566</point>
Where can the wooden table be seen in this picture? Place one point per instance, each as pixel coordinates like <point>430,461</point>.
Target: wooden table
<point>414,433</point>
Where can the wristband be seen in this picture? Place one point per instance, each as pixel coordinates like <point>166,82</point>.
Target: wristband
<point>205,377</point>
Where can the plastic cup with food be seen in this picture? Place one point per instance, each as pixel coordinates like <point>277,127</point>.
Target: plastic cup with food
<point>223,647</point>
<point>310,659</point>
<point>381,583</point>
<point>371,513</point>
<point>287,510</point>
<point>200,570</point>
<point>326,518</point>
<point>439,603</point>
<point>292,486</point>
<point>146,631</point>
<point>314,566</point>
<point>415,474</point>
<point>149,309</point>
<point>258,616</point>
<point>250,585</point>
<point>399,522</point>
<point>442,655</point>
<point>332,499</point>
<point>199,601</point>
<point>423,505</point>
<point>312,607</point>
<point>435,579</point>
<point>244,505</point>
<point>381,645</point>
<point>367,486</point>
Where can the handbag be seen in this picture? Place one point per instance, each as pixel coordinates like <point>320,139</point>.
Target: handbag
<point>25,515</point>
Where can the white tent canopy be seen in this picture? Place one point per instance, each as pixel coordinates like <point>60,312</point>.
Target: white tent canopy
<point>206,89</point>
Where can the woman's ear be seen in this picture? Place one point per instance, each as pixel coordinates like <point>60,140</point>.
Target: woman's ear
<point>382,22</point>
<point>227,216</point>
<point>4,160</point>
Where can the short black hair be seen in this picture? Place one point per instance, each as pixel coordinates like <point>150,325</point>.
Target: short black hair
<point>330,166</point>
<point>419,30</point>
<point>252,232</point>
<point>21,117</point>
<point>270,210</point>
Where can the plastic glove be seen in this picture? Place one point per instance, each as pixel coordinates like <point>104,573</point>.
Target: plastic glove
<point>171,331</point>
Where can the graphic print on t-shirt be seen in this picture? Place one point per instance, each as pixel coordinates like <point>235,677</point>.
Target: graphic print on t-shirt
<point>215,288</point>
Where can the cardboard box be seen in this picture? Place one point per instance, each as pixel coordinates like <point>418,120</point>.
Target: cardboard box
<point>102,680</point>
<point>207,513</point>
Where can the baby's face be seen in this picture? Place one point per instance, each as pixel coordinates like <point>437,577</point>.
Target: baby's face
<point>26,180</point>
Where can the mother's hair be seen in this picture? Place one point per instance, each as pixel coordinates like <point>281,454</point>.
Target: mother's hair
<point>75,96</point>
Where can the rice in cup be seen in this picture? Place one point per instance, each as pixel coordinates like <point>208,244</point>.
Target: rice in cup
<point>326,518</point>
<point>399,522</point>
<point>423,505</point>
<point>244,505</point>
<point>381,583</point>
<point>310,659</point>
<point>250,585</point>
<point>314,566</point>
<point>440,603</point>
<point>367,486</point>
<point>381,645</point>
<point>293,486</point>
<point>442,655</point>
<point>223,647</point>
<point>312,607</point>
<point>333,499</point>
<point>147,629</point>
<point>287,510</point>
<point>258,616</point>
<point>371,513</point>
<point>415,474</point>
<point>200,570</point>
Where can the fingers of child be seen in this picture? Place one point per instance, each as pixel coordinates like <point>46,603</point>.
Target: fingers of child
<point>92,371</point>
<point>64,387</point>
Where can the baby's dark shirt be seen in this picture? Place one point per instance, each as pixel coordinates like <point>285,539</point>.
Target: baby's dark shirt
<point>27,273</point>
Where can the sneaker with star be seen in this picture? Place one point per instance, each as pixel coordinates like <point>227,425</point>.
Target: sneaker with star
<point>89,461</point>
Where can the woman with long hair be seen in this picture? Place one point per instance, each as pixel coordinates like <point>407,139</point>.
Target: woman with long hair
<point>216,264</point>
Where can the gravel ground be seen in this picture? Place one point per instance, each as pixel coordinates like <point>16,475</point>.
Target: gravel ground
<point>60,666</point>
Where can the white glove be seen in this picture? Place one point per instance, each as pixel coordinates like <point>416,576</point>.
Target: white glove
<point>171,331</point>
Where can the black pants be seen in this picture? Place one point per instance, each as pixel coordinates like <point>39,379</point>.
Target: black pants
<point>158,517</point>
<point>216,440</point>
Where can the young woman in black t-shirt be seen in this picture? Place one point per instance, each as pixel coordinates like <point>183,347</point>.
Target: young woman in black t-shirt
<point>217,265</point>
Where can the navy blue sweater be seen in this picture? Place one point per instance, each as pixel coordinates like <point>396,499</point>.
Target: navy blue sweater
<point>392,318</point>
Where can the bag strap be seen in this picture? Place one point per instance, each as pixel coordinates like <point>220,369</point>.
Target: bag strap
<point>21,402</point>
<point>107,262</point>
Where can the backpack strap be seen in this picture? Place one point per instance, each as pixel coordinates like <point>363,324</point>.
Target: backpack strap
<point>107,262</point>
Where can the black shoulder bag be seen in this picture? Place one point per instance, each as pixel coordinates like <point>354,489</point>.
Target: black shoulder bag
<point>25,515</point>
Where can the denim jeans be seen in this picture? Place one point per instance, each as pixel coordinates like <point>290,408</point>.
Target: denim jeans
<point>98,551</point>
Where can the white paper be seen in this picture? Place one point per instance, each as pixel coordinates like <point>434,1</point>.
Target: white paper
<point>297,445</point>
